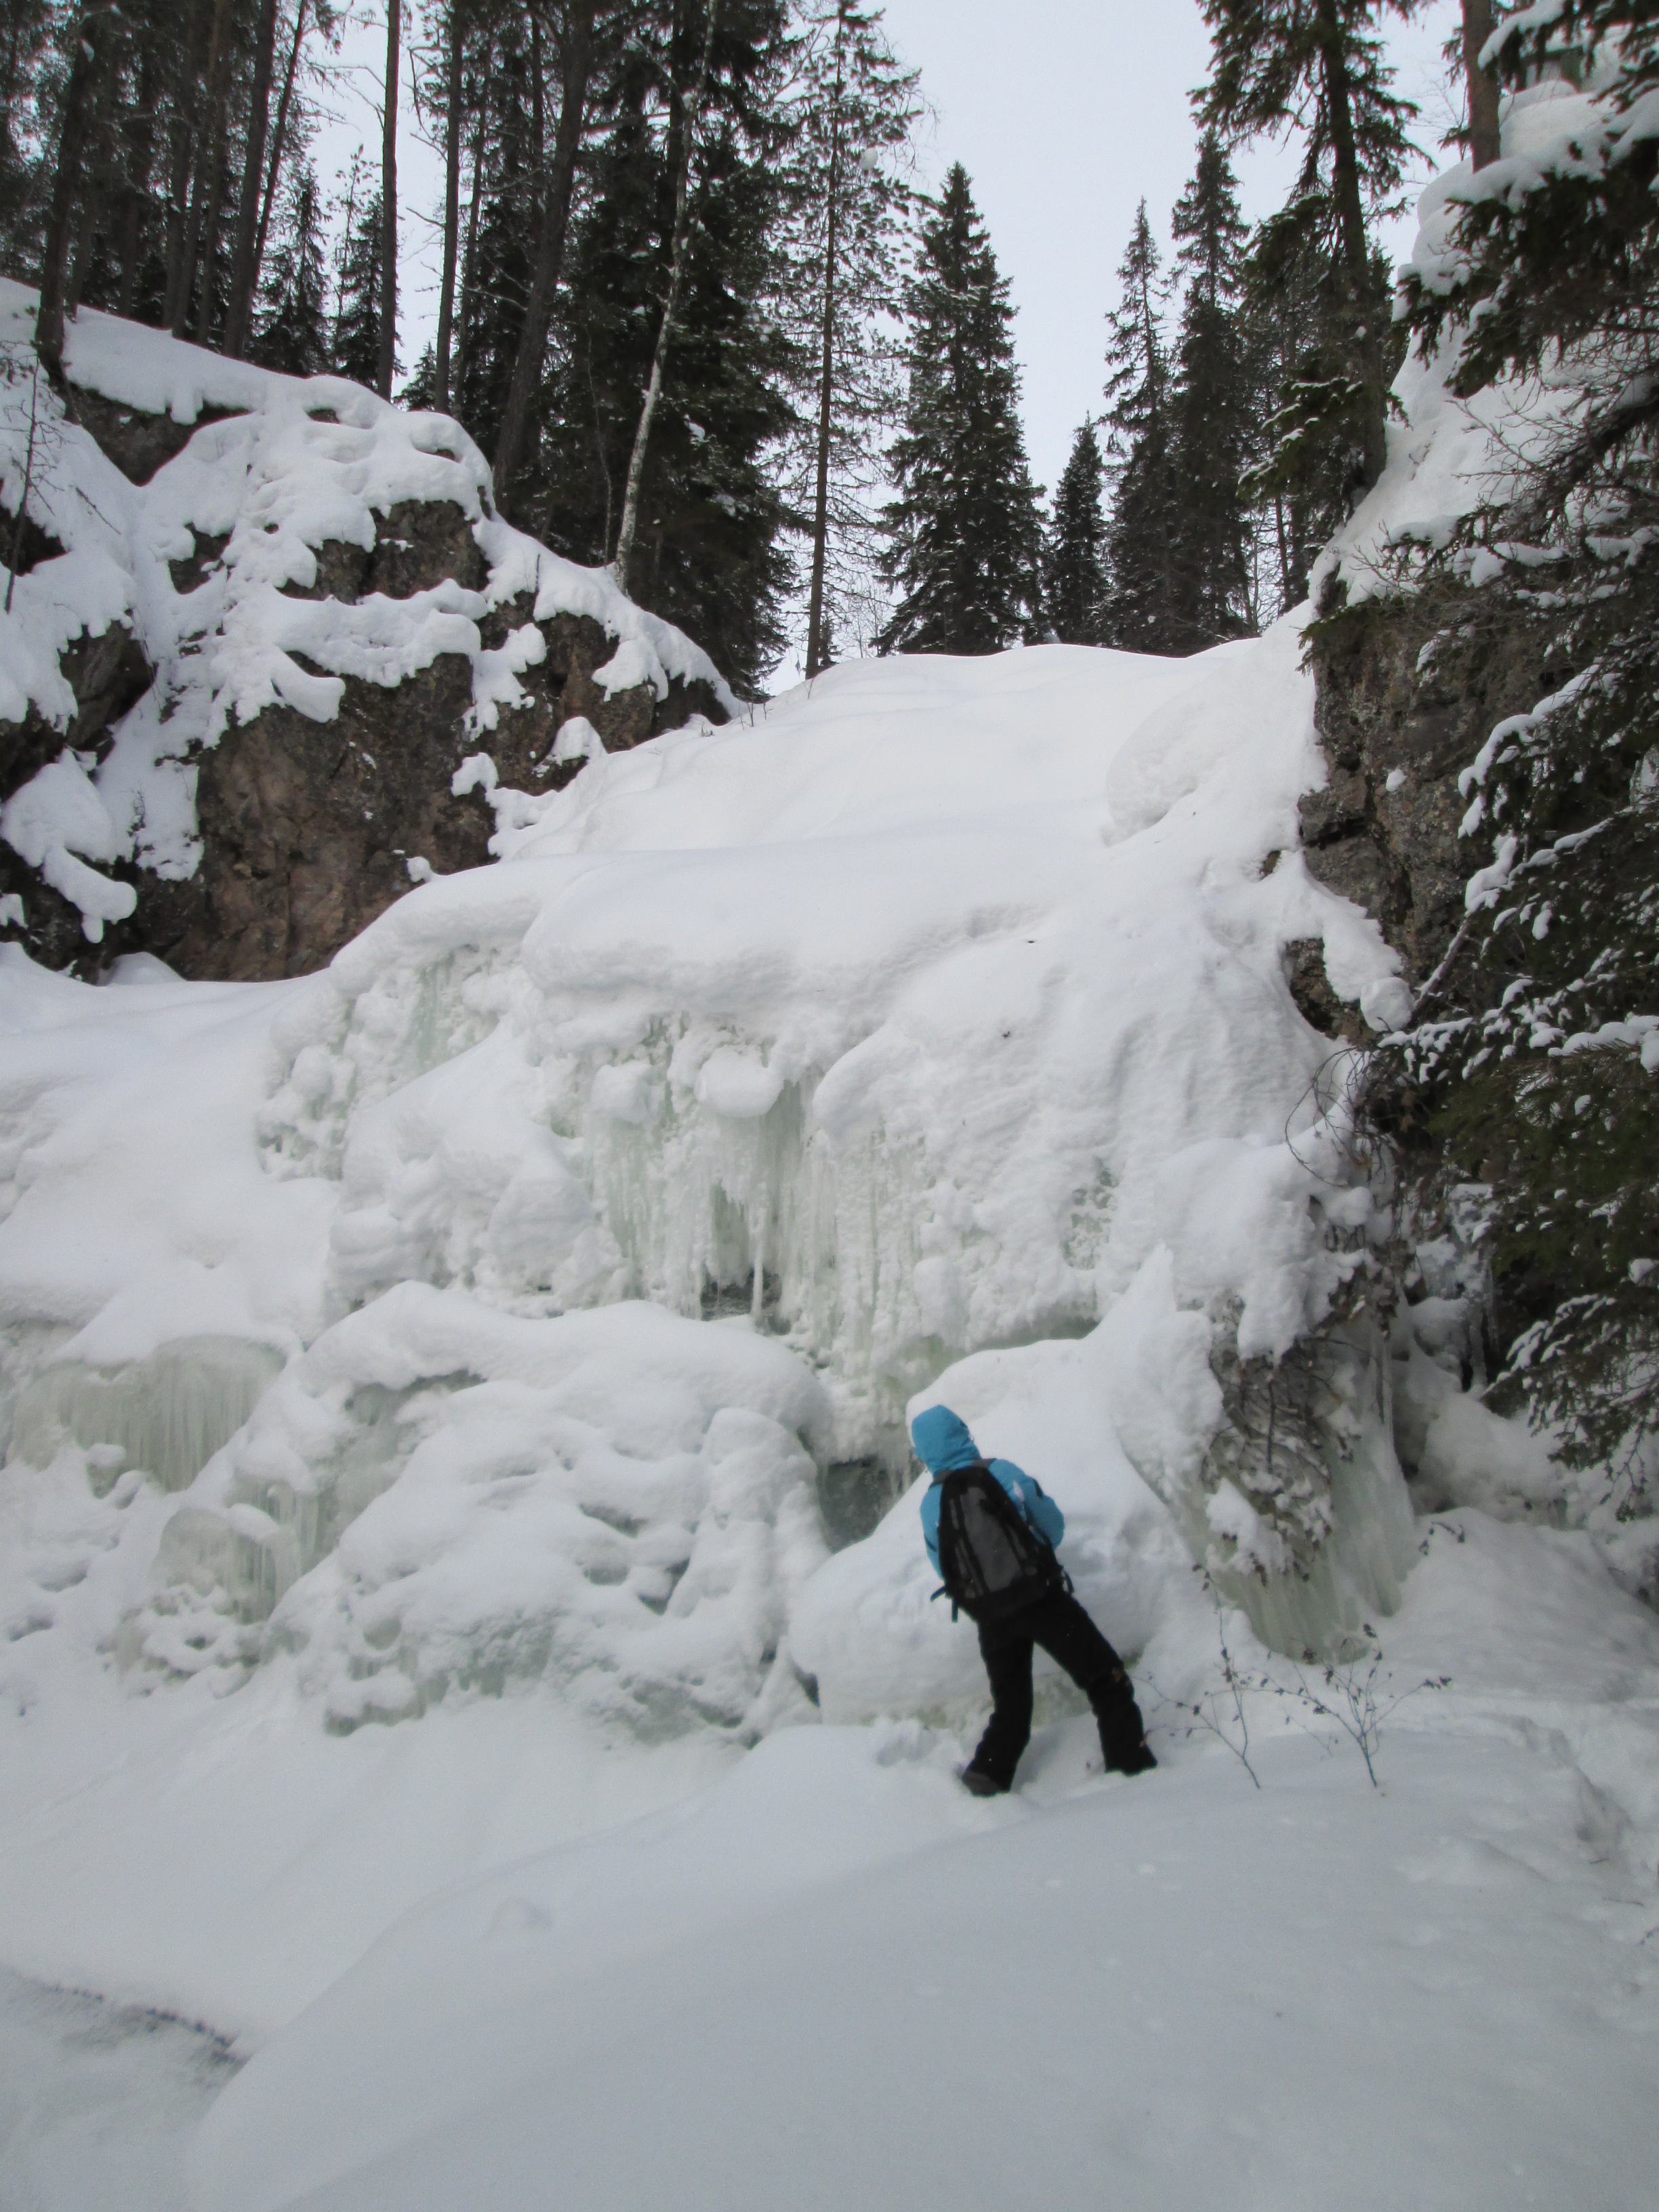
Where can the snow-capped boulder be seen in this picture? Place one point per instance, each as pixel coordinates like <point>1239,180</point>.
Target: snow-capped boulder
<point>257,625</point>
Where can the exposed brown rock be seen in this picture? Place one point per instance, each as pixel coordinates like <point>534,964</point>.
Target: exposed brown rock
<point>307,828</point>
<point>417,543</point>
<point>138,444</point>
<point>1383,707</point>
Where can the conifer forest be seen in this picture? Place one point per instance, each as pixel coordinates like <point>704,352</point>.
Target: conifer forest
<point>828,1165</point>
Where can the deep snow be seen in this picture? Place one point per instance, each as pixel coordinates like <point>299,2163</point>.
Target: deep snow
<point>426,1665</point>
<point>408,1743</point>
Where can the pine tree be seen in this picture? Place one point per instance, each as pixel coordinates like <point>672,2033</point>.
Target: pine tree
<point>504,227</point>
<point>709,553</point>
<point>292,332</point>
<point>965,540</point>
<point>1213,429</point>
<point>1141,530</point>
<point>26,69</point>
<point>850,201</point>
<point>355,344</point>
<point>1075,585</point>
<point>1317,65</point>
<point>1529,1056</point>
<point>1294,336</point>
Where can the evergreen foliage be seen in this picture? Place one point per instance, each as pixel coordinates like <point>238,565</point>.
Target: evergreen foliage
<point>505,84</point>
<point>1531,1052</point>
<point>1293,326</point>
<point>1074,550</point>
<point>292,333</point>
<point>850,202</point>
<point>965,540</point>
<point>709,554</point>
<point>1214,410</point>
<point>26,67</point>
<point>1144,523</point>
<point>195,114</point>
<point>1317,65</point>
<point>354,343</point>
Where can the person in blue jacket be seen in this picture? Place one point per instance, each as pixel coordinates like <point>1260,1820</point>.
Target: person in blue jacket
<point>1054,1619</point>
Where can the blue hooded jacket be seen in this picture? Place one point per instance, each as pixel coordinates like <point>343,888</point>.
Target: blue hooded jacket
<point>942,1444</point>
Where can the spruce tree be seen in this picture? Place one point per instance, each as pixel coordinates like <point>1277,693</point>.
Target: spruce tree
<point>709,553</point>
<point>1317,65</point>
<point>354,345</point>
<point>28,65</point>
<point>292,332</point>
<point>1141,530</point>
<point>839,277</point>
<point>503,227</point>
<point>1074,550</point>
<point>1214,428</point>
<point>1531,1057</point>
<point>965,540</point>
<point>1294,336</point>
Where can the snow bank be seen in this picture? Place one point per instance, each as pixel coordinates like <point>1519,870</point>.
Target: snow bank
<point>1203,1992</point>
<point>620,1505</point>
<point>292,464</point>
<point>518,1289</point>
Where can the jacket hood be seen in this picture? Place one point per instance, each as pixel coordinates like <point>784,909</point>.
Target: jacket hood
<point>942,1440</point>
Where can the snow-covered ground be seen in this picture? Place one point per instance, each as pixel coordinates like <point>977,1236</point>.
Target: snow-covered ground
<point>98,2104</point>
<point>433,1390</point>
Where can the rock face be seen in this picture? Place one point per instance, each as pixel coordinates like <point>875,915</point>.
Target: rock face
<point>308,813</point>
<point>1401,708</point>
<point>307,828</point>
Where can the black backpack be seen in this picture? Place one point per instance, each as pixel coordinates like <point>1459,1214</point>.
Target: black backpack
<point>994,1562</point>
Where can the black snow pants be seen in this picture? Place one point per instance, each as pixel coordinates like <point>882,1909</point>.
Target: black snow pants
<point>1066,1632</point>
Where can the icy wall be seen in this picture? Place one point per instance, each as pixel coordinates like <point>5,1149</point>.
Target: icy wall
<point>936,1014</point>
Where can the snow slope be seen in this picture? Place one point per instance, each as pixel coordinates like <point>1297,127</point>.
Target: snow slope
<point>833,1978</point>
<point>424,1385</point>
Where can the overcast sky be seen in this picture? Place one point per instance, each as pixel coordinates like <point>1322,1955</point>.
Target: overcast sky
<point>1065,113</point>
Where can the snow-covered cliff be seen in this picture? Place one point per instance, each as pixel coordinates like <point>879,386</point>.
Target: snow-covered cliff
<point>260,624</point>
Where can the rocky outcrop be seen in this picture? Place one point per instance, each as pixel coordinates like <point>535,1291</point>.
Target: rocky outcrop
<point>306,827</point>
<point>137,442</point>
<point>1403,704</point>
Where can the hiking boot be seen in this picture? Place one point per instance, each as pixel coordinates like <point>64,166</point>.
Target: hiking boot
<point>1123,1738</point>
<point>978,1784</point>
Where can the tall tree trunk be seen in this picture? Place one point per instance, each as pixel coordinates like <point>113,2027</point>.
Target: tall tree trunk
<point>576,63</point>
<point>216,204</point>
<point>630,514</point>
<point>470,260</point>
<point>451,202</point>
<point>205,185</point>
<point>1484,144</point>
<point>278,141</point>
<point>181,152</point>
<point>141,159</point>
<point>1354,246</point>
<point>244,272</point>
<point>71,141</point>
<point>389,205</point>
<point>818,646</point>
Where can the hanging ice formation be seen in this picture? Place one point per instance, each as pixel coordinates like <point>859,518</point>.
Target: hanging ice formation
<point>778,1074</point>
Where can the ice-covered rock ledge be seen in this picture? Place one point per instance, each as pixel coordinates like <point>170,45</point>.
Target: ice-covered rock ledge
<point>260,624</point>
<point>938,1015</point>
